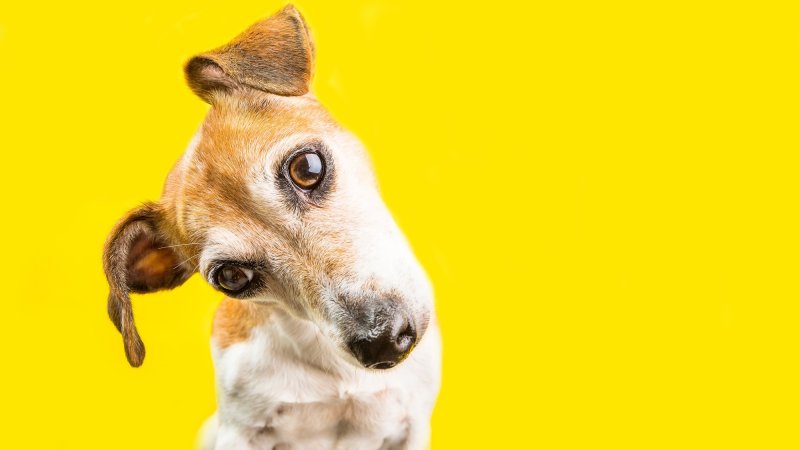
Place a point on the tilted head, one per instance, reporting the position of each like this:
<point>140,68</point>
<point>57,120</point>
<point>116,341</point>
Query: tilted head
<point>274,202</point>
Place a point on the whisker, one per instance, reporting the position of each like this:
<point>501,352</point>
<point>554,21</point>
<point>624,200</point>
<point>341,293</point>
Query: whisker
<point>179,245</point>
<point>185,261</point>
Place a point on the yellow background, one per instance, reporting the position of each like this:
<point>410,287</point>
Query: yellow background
<point>604,194</point>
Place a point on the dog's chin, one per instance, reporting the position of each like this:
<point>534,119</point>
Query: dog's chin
<point>377,367</point>
<point>343,354</point>
<point>353,361</point>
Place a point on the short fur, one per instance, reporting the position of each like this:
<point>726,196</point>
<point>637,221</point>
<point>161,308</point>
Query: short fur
<point>331,264</point>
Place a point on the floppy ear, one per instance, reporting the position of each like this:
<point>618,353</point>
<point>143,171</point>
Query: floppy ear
<point>137,258</point>
<point>275,55</point>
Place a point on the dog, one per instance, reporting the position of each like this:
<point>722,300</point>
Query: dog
<point>327,336</point>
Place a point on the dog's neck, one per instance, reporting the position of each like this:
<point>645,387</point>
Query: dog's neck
<point>304,340</point>
<point>274,330</point>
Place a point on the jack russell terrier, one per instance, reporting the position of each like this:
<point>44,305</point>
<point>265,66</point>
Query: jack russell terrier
<point>327,337</point>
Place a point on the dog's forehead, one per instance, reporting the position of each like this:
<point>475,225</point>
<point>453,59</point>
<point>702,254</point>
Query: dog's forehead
<point>243,127</point>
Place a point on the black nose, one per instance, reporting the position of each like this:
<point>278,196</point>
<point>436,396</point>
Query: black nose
<point>388,347</point>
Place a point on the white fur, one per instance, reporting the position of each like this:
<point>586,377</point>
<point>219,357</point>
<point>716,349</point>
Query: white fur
<point>287,387</point>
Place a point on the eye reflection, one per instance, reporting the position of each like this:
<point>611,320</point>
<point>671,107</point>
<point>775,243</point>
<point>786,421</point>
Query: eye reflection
<point>233,278</point>
<point>306,170</point>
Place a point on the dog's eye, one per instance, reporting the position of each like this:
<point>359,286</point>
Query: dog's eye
<point>234,278</point>
<point>306,170</point>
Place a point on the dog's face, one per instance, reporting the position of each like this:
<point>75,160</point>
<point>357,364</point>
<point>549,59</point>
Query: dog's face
<point>274,202</point>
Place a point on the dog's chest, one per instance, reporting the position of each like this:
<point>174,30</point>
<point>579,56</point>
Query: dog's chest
<point>275,405</point>
<point>367,421</point>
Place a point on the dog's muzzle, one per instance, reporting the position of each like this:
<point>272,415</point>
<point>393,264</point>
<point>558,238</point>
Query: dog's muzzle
<point>388,341</point>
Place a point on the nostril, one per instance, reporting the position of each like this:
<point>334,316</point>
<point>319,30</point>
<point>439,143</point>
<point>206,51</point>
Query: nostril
<point>405,339</point>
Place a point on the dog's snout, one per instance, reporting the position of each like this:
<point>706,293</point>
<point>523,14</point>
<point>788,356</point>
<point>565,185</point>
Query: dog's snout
<point>387,347</point>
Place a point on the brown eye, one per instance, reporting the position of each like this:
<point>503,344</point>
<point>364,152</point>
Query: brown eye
<point>306,170</point>
<point>233,278</point>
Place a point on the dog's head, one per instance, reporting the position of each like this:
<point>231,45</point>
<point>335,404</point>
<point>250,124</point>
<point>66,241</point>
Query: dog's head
<point>274,202</point>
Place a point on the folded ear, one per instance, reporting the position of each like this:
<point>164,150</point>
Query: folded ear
<point>138,257</point>
<point>275,55</point>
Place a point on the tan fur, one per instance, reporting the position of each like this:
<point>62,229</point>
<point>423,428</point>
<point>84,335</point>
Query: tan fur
<point>235,319</point>
<point>275,55</point>
<point>220,156</point>
<point>214,183</point>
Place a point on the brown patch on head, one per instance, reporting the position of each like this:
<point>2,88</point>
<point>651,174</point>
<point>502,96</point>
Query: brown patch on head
<point>236,134</point>
<point>235,319</point>
<point>242,143</point>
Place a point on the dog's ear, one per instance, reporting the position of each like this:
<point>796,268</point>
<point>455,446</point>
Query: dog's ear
<point>139,257</point>
<point>275,55</point>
